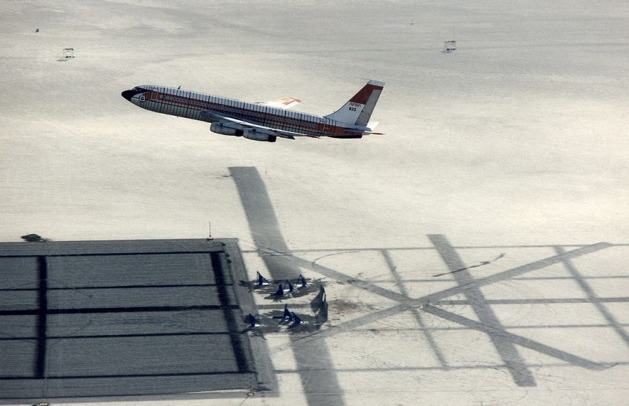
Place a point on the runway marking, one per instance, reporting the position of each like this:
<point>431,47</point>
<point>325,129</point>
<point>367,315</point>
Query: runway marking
<point>405,303</point>
<point>594,299</point>
<point>437,296</point>
<point>506,350</point>
<point>282,264</point>
<point>516,339</point>
<point>416,314</point>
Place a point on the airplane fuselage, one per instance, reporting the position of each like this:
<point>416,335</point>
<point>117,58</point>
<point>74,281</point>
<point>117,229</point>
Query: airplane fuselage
<point>255,121</point>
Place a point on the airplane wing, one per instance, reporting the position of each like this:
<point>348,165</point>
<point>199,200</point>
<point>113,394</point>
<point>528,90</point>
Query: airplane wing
<point>241,124</point>
<point>284,103</point>
<point>280,133</point>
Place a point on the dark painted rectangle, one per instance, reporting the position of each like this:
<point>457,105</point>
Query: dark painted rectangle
<point>17,359</point>
<point>132,318</point>
<point>123,386</point>
<point>18,273</point>
<point>18,301</point>
<point>14,327</point>
<point>131,298</point>
<point>131,270</point>
<point>138,356</point>
<point>137,323</point>
<point>72,248</point>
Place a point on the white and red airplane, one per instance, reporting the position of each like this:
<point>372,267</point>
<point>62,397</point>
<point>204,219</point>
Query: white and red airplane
<point>261,121</point>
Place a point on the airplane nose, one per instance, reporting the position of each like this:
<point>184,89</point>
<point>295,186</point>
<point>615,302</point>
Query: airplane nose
<point>128,94</point>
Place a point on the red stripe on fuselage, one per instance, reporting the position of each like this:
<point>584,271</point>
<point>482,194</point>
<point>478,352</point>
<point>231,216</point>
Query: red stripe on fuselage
<point>256,114</point>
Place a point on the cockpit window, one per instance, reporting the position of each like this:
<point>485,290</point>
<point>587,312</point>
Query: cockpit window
<point>140,90</point>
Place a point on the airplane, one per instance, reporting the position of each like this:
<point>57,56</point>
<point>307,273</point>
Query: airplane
<point>264,121</point>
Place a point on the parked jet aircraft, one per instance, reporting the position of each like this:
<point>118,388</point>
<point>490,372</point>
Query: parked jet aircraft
<point>261,121</point>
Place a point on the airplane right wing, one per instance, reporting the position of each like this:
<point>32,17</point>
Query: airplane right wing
<point>284,103</point>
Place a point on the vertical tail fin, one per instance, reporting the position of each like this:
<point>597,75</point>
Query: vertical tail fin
<point>358,109</point>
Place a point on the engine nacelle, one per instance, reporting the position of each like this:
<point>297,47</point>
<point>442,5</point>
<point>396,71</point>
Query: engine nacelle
<point>259,135</point>
<point>220,128</point>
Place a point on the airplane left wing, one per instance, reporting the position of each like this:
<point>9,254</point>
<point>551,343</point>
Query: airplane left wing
<point>273,131</point>
<point>246,125</point>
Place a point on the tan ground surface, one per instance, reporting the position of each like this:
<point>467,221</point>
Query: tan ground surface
<point>515,144</point>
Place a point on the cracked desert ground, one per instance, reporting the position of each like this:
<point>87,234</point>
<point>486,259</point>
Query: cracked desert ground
<point>503,169</point>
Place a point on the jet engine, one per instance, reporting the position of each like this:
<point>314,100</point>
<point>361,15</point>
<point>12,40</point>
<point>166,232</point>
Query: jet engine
<point>259,135</point>
<point>220,128</point>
